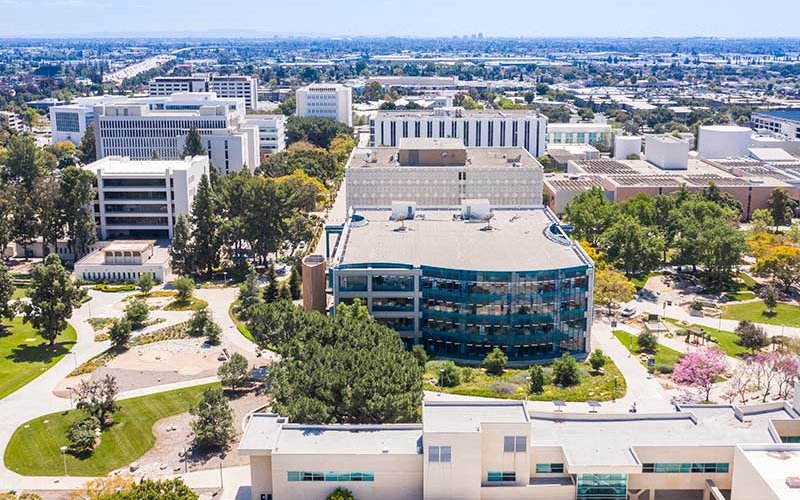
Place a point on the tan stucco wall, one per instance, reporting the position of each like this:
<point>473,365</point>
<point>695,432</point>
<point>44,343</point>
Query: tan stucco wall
<point>461,478</point>
<point>493,458</point>
<point>680,454</point>
<point>260,476</point>
<point>747,482</point>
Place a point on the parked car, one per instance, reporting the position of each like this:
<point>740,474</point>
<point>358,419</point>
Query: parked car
<point>629,311</point>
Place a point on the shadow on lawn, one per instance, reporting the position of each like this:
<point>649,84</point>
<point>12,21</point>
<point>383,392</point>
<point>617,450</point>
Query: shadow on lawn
<point>41,353</point>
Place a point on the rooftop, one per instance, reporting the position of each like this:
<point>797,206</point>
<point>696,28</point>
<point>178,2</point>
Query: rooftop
<point>456,112</point>
<point>97,257</point>
<point>129,245</point>
<point>519,240</point>
<point>383,157</point>
<point>467,416</point>
<point>775,463</point>
<point>782,114</point>
<point>123,165</point>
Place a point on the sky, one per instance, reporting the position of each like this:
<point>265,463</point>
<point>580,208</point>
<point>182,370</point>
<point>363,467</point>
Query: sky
<point>421,18</point>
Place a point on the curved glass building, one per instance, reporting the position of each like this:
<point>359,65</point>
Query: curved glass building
<point>464,281</point>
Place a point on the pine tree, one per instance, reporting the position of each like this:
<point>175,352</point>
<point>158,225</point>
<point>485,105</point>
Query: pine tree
<point>249,293</point>
<point>7,309</point>
<point>180,251</point>
<point>205,224</point>
<point>213,423</point>
<point>271,290</point>
<point>193,145</point>
<point>296,284</point>
<point>88,147</point>
<point>284,293</point>
<point>52,298</point>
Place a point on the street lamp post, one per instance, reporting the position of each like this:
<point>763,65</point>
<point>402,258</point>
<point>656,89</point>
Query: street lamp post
<point>615,388</point>
<point>441,379</point>
<point>64,456</point>
<point>221,485</point>
<point>527,389</point>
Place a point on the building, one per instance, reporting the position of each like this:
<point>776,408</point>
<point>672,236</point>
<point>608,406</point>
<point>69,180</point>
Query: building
<point>225,86</point>
<point>156,127</point>
<point>462,281</point>
<point>271,132</point>
<point>143,199</point>
<point>68,122</point>
<point>723,141</point>
<point>624,179</point>
<point>123,260</point>
<point>44,104</point>
<point>327,100</point>
<point>11,120</point>
<point>626,146</point>
<point>475,128</point>
<point>475,450</point>
<point>442,172</point>
<point>595,134</point>
<point>667,152</point>
<point>785,122</point>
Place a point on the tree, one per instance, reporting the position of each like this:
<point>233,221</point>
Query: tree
<point>199,322</point>
<point>700,369</point>
<point>781,264</point>
<point>597,359</point>
<point>295,284</point>
<point>7,307</point>
<point>631,246</point>
<point>193,146</point>
<point>52,298</point>
<point>316,130</point>
<point>24,161</point>
<point>284,293</point>
<point>761,220</point>
<point>120,333</point>
<point>98,398</point>
<point>82,436</point>
<point>449,375</point>
<point>76,194</point>
<point>421,356</point>
<point>536,374</point>
<point>770,297</point>
<point>611,288</point>
<point>495,362</point>
<point>88,147</point>
<point>7,206</point>
<point>273,323</point>
<point>234,374</point>
<point>780,206</point>
<point>751,336</point>
<point>180,250</point>
<point>213,332</point>
<point>184,288</point>
<point>648,342</point>
<point>721,251</point>
<point>137,312</point>
<point>145,283</point>
<point>271,288</point>
<point>591,213</point>
<point>341,494</point>
<point>249,293</point>
<point>149,489</point>
<point>213,422</point>
<point>361,371</point>
<point>566,372</point>
<point>205,223</point>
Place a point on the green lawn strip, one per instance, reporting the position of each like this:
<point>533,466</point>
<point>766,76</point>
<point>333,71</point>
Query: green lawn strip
<point>739,296</point>
<point>640,281</point>
<point>784,314</point>
<point>727,341</point>
<point>240,325</point>
<point>593,387</point>
<point>663,355</point>
<point>22,361</point>
<point>35,450</point>
<point>193,304</point>
<point>19,293</point>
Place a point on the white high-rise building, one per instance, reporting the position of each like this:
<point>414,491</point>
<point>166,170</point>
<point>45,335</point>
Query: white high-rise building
<point>476,128</point>
<point>68,122</point>
<point>226,86</point>
<point>143,199</point>
<point>156,127</point>
<point>271,132</point>
<point>328,100</point>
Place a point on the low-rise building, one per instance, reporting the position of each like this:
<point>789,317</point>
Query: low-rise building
<point>475,128</point>
<point>225,86</point>
<point>498,449</point>
<point>667,152</point>
<point>327,100</point>
<point>11,120</point>
<point>462,281</point>
<point>598,135</point>
<point>271,133</point>
<point>785,122</point>
<point>143,199</point>
<point>125,260</point>
<point>442,172</point>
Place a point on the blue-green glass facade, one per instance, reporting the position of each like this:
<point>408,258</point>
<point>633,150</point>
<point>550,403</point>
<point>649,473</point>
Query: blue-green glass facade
<point>602,487</point>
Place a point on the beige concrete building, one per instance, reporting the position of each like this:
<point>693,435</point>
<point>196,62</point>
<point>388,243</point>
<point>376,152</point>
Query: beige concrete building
<point>498,450</point>
<point>122,260</point>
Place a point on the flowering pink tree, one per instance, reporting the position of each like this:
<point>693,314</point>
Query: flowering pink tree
<point>774,370</point>
<point>700,369</point>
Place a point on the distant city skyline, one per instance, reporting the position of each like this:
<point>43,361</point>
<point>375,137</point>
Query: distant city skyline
<point>415,18</point>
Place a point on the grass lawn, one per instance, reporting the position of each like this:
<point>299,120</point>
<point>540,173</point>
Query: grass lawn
<point>193,304</point>
<point>640,281</point>
<point>19,293</point>
<point>784,314</point>
<point>663,355</point>
<point>35,450</point>
<point>727,341</point>
<point>240,325</point>
<point>22,361</point>
<point>738,296</point>
<point>593,386</point>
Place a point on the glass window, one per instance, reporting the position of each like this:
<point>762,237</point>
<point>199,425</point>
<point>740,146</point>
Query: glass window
<point>506,476</point>
<point>330,476</point>
<point>444,454</point>
<point>433,453</point>
<point>549,468</point>
<point>512,444</point>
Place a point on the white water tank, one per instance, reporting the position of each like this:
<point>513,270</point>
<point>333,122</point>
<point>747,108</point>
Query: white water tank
<point>723,141</point>
<point>626,145</point>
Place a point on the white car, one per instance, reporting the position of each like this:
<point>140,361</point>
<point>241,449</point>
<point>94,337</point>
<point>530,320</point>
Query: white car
<point>628,311</point>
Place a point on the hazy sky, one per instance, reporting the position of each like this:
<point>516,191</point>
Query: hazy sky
<point>532,18</point>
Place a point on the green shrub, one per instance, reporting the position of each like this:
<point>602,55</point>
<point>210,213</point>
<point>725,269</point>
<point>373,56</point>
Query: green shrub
<point>341,494</point>
<point>495,362</point>
<point>137,312</point>
<point>648,342</point>
<point>82,435</point>
<point>467,374</point>
<point>566,372</point>
<point>504,388</point>
<point>536,374</point>
<point>449,375</point>
<point>597,359</point>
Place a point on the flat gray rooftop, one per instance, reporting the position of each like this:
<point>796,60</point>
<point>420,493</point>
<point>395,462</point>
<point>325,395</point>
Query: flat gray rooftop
<point>452,416</point>
<point>384,157</point>
<point>350,439</point>
<point>516,242</point>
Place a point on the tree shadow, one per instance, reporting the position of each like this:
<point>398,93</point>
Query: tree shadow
<point>769,314</point>
<point>41,353</point>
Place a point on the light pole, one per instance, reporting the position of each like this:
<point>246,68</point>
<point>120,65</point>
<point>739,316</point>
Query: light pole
<point>221,486</point>
<point>441,380</point>
<point>527,389</point>
<point>64,455</point>
<point>75,359</point>
<point>615,388</point>
<point>224,278</point>
<point>70,396</point>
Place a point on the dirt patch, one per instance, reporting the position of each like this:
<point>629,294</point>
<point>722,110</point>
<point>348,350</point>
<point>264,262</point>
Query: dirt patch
<point>174,442</point>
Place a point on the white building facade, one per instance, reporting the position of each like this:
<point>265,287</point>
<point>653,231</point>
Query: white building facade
<point>143,199</point>
<point>271,132</point>
<point>327,100</point>
<point>11,120</point>
<point>226,86</point>
<point>475,128</point>
<point>156,127</point>
<point>594,134</point>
